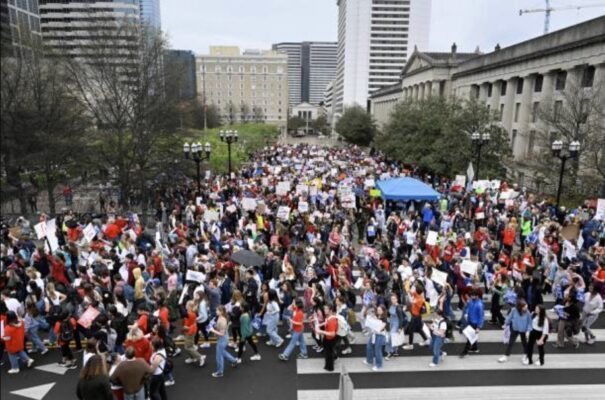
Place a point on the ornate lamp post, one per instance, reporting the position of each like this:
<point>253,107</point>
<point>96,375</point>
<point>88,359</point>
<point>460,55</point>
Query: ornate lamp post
<point>197,153</point>
<point>229,137</point>
<point>557,151</point>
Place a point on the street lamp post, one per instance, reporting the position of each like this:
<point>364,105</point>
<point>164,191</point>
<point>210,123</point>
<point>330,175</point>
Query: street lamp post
<point>479,140</point>
<point>557,151</point>
<point>197,153</point>
<point>229,137</point>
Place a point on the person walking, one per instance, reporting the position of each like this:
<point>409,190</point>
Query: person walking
<point>246,334</point>
<point>329,336</point>
<point>65,329</point>
<point>519,322</point>
<point>438,330</point>
<point>270,320</point>
<point>397,321</point>
<point>377,340</point>
<point>297,323</point>
<point>94,382</point>
<point>417,301</point>
<point>569,321</point>
<point>220,330</point>
<point>161,367</point>
<point>14,341</point>
<point>538,335</point>
<point>473,312</point>
<point>189,331</point>
<point>593,306</point>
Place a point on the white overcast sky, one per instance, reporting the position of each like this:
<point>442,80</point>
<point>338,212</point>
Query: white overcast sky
<point>196,24</point>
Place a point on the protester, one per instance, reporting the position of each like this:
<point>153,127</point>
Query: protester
<point>131,375</point>
<point>438,331</point>
<point>14,340</point>
<point>94,382</point>
<point>538,334</point>
<point>220,330</point>
<point>519,323</point>
<point>297,322</point>
<point>473,313</point>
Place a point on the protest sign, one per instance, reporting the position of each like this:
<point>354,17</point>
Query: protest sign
<point>469,267</point>
<point>369,183</point>
<point>302,189</point>
<point>210,215</point>
<point>89,232</point>
<point>40,229</point>
<point>249,204</point>
<point>283,212</point>
<point>375,193</point>
<point>431,238</point>
<point>348,201</point>
<point>51,235</point>
<point>460,181</point>
<point>195,276</point>
<point>570,232</point>
<point>282,188</point>
<point>600,214</point>
<point>303,206</point>
<point>439,277</point>
<point>88,317</point>
<point>199,201</point>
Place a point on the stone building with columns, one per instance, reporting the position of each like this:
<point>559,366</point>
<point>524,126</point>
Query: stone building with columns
<point>514,81</point>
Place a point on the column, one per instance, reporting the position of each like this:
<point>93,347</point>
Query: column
<point>509,103</point>
<point>421,95</point>
<point>435,88</point>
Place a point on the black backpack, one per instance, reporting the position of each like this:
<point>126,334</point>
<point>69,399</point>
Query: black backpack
<point>66,331</point>
<point>168,365</point>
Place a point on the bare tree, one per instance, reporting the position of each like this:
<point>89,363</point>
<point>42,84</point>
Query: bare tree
<point>575,114</point>
<point>258,114</point>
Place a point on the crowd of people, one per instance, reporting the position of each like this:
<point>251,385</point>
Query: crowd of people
<point>334,256</point>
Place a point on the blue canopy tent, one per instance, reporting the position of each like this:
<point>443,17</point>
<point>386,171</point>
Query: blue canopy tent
<point>403,189</point>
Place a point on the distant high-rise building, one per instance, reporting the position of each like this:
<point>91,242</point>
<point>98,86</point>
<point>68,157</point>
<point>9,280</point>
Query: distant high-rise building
<point>252,86</point>
<point>75,27</point>
<point>311,66</point>
<point>375,38</point>
<point>150,13</point>
<point>184,61</point>
<point>19,26</point>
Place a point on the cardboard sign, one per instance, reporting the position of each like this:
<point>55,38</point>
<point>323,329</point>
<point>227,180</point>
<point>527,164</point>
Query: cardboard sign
<point>195,276</point>
<point>431,238</point>
<point>283,213</point>
<point>282,188</point>
<point>570,232</point>
<point>600,214</point>
<point>439,277</point>
<point>303,206</point>
<point>88,317</point>
<point>210,215</point>
<point>89,232</point>
<point>469,267</point>
<point>249,204</point>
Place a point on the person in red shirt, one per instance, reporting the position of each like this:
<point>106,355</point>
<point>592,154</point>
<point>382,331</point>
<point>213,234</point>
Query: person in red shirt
<point>14,339</point>
<point>57,264</point>
<point>508,237</point>
<point>329,333</point>
<point>297,322</point>
<point>140,344</point>
<point>65,329</point>
<point>189,330</point>
<point>143,320</point>
<point>417,300</point>
<point>163,313</point>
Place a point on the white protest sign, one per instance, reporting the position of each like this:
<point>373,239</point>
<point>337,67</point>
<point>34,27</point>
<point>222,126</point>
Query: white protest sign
<point>195,276</point>
<point>231,209</point>
<point>199,201</point>
<point>40,230</point>
<point>469,267</point>
<point>471,334</point>
<point>249,204</point>
<point>348,201</point>
<point>303,206</point>
<point>431,238</point>
<point>210,215</point>
<point>313,191</point>
<point>600,214</point>
<point>470,172</point>
<point>359,283</point>
<point>439,277</point>
<point>460,181</point>
<point>283,212</point>
<point>482,184</point>
<point>302,189</point>
<point>89,232</point>
<point>51,235</point>
<point>369,183</point>
<point>495,184</point>
<point>282,188</point>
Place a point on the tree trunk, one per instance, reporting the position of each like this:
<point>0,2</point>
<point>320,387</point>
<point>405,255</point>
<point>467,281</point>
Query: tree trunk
<point>13,177</point>
<point>50,189</point>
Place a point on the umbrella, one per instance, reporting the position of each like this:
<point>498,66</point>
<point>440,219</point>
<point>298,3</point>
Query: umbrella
<point>248,258</point>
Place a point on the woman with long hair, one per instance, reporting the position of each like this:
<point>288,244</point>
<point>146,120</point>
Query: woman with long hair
<point>94,382</point>
<point>539,334</point>
<point>203,318</point>
<point>519,322</point>
<point>235,312</point>
<point>14,339</point>
<point>220,329</point>
<point>271,319</point>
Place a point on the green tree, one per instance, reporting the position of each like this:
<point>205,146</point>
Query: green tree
<point>356,126</point>
<point>320,124</point>
<point>294,123</point>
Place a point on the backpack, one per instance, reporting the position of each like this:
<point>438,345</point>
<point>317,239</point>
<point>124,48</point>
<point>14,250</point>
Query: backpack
<point>343,327</point>
<point>66,332</point>
<point>54,314</point>
<point>168,365</point>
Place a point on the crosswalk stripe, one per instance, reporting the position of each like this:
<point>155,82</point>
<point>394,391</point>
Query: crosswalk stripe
<point>474,362</point>
<point>518,392</point>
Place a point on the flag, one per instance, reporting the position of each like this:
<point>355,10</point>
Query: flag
<point>470,172</point>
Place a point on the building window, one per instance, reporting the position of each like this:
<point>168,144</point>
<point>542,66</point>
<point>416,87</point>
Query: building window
<point>557,110</point>
<point>513,139</point>
<point>501,112</point>
<point>531,143</point>
<point>519,85</point>
<point>217,69</point>
<point>538,83</point>
<point>588,76</point>
<point>560,81</point>
<point>441,88</point>
<point>241,69</point>
<point>517,108</point>
<point>534,111</point>
<point>475,92</point>
<point>503,88</point>
<point>490,86</point>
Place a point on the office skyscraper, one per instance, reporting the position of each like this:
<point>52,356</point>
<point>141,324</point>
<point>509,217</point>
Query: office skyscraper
<point>311,66</point>
<point>20,25</point>
<point>150,13</point>
<point>375,38</point>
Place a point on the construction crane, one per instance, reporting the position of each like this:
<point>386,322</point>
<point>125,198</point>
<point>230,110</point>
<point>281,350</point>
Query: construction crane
<point>548,9</point>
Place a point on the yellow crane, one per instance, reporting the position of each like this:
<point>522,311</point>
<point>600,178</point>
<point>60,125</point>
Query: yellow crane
<point>548,9</point>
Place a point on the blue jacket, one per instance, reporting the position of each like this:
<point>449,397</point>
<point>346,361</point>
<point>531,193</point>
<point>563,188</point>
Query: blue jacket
<point>474,312</point>
<point>519,322</point>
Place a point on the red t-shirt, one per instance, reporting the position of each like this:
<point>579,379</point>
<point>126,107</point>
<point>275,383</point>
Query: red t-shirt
<point>189,322</point>
<point>142,348</point>
<point>143,322</point>
<point>298,317</point>
<point>417,303</point>
<point>331,327</point>
<point>17,337</point>
<point>163,317</point>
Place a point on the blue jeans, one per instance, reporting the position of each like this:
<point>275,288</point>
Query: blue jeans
<point>390,348</point>
<point>436,344</point>
<point>297,338</point>
<point>274,338</point>
<point>374,350</point>
<point>32,334</point>
<point>222,353</point>
<point>14,359</point>
<point>140,395</point>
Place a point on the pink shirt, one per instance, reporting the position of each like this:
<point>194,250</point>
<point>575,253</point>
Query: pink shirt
<point>171,282</point>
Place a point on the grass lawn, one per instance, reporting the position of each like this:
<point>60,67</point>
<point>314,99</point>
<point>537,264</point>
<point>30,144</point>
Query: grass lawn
<point>251,138</point>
